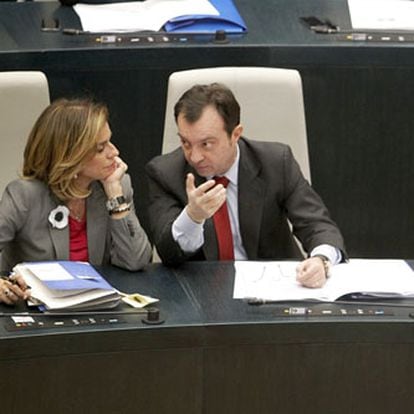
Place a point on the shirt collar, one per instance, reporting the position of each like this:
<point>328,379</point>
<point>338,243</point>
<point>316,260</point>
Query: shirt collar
<point>232,173</point>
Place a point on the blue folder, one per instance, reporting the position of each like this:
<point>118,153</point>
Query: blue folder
<point>85,277</point>
<point>229,20</point>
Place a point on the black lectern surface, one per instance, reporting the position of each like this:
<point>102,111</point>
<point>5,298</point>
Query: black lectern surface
<point>357,100</point>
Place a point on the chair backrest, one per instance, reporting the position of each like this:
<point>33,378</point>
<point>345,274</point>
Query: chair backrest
<point>23,96</point>
<point>271,102</point>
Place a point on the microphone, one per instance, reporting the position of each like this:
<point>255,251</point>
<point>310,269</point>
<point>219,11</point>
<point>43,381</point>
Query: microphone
<point>259,301</point>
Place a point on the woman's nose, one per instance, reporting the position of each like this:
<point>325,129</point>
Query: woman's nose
<point>113,150</point>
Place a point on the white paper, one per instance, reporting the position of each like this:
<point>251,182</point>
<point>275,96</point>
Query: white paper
<point>49,271</point>
<point>382,14</point>
<point>136,16</point>
<point>277,280</point>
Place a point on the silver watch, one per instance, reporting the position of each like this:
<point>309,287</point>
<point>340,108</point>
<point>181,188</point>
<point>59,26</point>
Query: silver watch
<point>115,202</point>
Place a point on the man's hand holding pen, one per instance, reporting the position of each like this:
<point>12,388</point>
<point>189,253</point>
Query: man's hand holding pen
<point>13,289</point>
<point>311,273</point>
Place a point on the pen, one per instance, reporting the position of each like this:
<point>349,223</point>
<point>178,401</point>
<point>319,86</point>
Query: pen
<point>258,301</point>
<point>74,31</point>
<point>287,311</point>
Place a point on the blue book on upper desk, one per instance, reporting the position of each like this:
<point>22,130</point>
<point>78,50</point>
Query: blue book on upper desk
<point>228,20</point>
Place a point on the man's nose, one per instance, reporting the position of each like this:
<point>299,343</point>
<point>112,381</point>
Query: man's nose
<point>196,155</point>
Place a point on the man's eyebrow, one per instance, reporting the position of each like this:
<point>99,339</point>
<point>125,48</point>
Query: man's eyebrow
<point>182,137</point>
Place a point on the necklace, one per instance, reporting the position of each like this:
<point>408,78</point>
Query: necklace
<point>77,209</point>
<point>77,217</point>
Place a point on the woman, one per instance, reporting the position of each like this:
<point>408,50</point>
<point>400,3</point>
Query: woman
<point>74,200</point>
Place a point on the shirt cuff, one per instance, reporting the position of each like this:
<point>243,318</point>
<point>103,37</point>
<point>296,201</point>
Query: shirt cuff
<point>187,233</point>
<point>333,254</point>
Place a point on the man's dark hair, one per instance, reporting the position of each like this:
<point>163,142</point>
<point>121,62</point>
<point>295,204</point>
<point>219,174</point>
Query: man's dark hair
<point>192,103</point>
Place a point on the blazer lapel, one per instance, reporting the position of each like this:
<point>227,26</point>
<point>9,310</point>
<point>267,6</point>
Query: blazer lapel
<point>96,221</point>
<point>251,196</point>
<point>59,237</point>
<point>60,241</point>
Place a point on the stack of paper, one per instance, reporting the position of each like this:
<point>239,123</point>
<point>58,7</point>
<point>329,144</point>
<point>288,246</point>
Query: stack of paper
<point>382,14</point>
<point>67,285</point>
<point>276,281</point>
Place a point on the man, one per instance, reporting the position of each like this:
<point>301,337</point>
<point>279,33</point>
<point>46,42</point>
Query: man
<point>266,189</point>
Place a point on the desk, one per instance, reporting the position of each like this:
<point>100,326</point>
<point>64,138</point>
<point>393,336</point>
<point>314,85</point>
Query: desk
<point>108,369</point>
<point>358,99</point>
<point>213,354</point>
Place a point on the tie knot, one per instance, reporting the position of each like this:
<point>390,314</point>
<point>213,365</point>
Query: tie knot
<point>224,181</point>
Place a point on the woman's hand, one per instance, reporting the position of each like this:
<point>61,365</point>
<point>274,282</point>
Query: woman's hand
<point>112,183</point>
<point>13,289</point>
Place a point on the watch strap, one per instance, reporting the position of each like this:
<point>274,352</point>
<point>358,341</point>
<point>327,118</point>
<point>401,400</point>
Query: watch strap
<point>326,264</point>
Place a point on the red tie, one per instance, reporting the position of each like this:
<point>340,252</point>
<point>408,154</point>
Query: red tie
<point>222,227</point>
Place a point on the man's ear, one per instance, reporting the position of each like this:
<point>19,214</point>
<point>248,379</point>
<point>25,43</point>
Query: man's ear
<point>237,132</point>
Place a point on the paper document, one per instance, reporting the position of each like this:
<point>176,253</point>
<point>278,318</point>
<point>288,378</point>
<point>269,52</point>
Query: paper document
<point>277,280</point>
<point>141,15</point>
<point>49,271</point>
<point>67,285</point>
<point>381,14</point>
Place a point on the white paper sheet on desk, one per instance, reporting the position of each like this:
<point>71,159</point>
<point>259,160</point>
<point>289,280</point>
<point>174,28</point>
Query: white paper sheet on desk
<point>136,16</point>
<point>382,14</point>
<point>47,271</point>
<point>277,280</point>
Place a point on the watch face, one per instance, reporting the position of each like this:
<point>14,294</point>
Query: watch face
<point>115,202</point>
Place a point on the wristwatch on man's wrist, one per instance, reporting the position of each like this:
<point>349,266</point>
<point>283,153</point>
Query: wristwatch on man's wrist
<point>115,202</point>
<point>326,264</point>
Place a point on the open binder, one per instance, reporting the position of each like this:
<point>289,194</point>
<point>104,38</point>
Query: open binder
<point>228,20</point>
<point>58,285</point>
<point>189,16</point>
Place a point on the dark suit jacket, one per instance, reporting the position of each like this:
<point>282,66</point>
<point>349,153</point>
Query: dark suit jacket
<point>27,235</point>
<point>271,190</point>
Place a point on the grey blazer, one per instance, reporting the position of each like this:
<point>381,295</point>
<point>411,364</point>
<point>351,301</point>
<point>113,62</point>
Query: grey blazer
<point>271,190</point>
<point>27,235</point>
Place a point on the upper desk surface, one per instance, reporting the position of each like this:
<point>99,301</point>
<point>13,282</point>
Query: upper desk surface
<point>273,27</point>
<point>196,302</point>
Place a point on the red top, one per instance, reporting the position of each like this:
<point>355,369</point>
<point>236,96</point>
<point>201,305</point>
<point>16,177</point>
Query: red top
<point>78,240</point>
